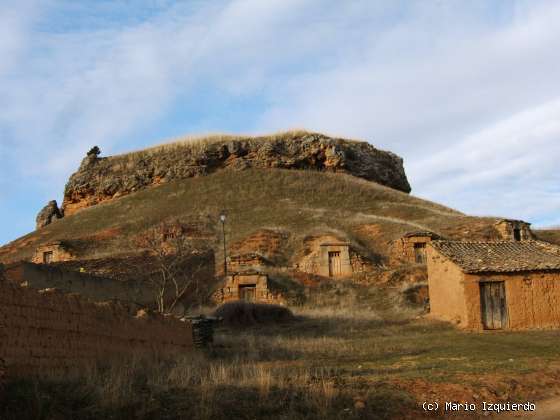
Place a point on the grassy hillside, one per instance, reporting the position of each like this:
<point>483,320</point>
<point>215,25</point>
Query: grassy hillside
<point>299,202</point>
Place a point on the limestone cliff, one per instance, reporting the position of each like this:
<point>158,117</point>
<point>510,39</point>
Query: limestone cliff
<point>100,179</point>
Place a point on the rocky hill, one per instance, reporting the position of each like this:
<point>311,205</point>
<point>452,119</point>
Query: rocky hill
<point>100,179</point>
<point>282,195</point>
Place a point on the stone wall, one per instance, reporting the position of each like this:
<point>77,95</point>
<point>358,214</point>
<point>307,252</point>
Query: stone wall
<point>404,250</point>
<point>507,227</point>
<point>234,283</point>
<point>58,252</point>
<point>44,332</point>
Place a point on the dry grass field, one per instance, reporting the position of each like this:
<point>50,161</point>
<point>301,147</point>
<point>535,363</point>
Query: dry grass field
<point>299,202</point>
<point>331,362</point>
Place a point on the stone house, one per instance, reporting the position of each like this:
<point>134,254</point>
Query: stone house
<point>411,248</point>
<point>327,256</point>
<point>52,252</point>
<point>514,230</point>
<point>495,285</point>
<point>248,286</point>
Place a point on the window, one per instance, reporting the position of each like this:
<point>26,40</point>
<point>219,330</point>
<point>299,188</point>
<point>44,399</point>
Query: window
<point>167,236</point>
<point>47,257</point>
<point>420,252</point>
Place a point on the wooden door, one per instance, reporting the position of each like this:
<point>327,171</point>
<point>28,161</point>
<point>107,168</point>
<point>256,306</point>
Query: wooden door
<point>493,305</point>
<point>420,252</point>
<point>335,268</point>
<point>247,292</point>
<point>47,257</point>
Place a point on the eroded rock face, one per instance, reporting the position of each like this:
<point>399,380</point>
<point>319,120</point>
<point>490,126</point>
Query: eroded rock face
<point>48,214</point>
<point>101,179</point>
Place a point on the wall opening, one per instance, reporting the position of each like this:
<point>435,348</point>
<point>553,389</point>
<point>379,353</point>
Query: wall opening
<point>335,266</point>
<point>420,252</point>
<point>516,234</point>
<point>47,257</point>
<point>248,292</point>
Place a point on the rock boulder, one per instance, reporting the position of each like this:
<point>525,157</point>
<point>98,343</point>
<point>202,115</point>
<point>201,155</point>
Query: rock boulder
<point>48,214</point>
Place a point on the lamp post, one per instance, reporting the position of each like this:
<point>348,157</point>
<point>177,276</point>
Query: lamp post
<point>223,220</point>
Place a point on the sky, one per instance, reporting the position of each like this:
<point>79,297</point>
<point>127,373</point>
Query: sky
<point>467,93</point>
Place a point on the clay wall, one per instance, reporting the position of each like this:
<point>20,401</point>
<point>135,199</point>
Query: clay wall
<point>41,276</point>
<point>48,332</point>
<point>533,299</point>
<point>446,289</point>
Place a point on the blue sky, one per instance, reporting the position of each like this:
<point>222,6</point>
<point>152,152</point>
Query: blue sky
<point>467,92</point>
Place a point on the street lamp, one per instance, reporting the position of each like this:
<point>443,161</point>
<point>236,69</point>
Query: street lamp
<point>223,220</point>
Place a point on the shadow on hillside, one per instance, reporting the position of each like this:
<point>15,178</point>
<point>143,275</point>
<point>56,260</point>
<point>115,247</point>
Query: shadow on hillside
<point>52,400</point>
<point>333,326</point>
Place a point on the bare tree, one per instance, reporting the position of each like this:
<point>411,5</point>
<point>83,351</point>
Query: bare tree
<point>173,266</point>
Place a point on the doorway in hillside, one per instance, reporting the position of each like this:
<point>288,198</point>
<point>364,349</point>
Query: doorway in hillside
<point>47,257</point>
<point>335,267</point>
<point>420,252</point>
<point>493,305</point>
<point>248,292</point>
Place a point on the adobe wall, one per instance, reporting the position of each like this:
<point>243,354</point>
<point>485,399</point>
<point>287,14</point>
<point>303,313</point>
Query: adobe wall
<point>533,299</point>
<point>51,332</point>
<point>446,290</point>
<point>41,276</point>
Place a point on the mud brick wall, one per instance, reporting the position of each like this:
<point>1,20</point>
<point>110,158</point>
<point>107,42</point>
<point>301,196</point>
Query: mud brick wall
<point>42,332</point>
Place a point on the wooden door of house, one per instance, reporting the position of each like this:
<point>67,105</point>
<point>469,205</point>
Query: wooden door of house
<point>335,267</point>
<point>247,292</point>
<point>493,305</point>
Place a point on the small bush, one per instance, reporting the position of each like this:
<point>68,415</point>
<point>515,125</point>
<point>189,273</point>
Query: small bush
<point>240,313</point>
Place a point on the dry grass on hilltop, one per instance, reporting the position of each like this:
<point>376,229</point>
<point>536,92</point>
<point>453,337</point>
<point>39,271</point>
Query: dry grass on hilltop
<point>199,143</point>
<point>300,202</point>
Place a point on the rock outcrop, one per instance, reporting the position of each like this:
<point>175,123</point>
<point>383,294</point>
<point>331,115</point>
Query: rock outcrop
<point>48,214</point>
<point>100,179</point>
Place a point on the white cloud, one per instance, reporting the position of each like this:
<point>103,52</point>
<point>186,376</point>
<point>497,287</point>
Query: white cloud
<point>509,168</point>
<point>425,79</point>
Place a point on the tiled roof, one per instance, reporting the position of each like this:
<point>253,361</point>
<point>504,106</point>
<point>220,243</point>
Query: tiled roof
<point>502,257</point>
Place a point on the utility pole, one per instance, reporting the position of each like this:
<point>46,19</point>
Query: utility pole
<point>223,220</point>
